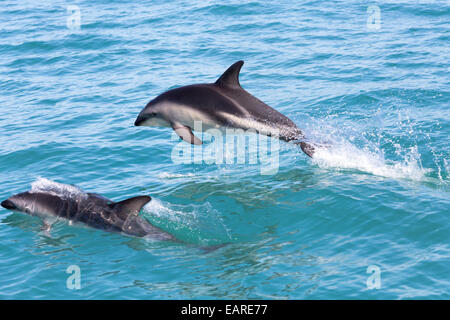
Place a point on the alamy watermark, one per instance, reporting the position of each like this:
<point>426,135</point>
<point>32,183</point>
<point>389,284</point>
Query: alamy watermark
<point>73,282</point>
<point>73,21</point>
<point>408,1</point>
<point>374,280</point>
<point>231,146</point>
<point>374,18</point>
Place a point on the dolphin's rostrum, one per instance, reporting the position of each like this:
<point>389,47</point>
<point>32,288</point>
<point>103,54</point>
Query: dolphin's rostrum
<point>51,201</point>
<point>219,105</point>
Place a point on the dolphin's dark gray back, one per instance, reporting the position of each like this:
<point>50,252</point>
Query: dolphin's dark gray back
<point>228,85</point>
<point>102,213</point>
<point>226,96</point>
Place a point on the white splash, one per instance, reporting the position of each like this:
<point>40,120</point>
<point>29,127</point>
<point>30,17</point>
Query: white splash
<point>157,208</point>
<point>168,175</point>
<point>447,167</point>
<point>347,156</point>
<point>56,188</point>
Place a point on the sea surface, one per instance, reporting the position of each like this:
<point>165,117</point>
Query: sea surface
<point>367,218</point>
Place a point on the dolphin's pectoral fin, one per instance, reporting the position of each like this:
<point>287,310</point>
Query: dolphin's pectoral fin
<point>186,134</point>
<point>46,226</point>
<point>130,206</point>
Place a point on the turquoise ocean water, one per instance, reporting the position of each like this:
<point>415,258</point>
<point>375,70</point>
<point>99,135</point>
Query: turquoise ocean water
<point>371,78</point>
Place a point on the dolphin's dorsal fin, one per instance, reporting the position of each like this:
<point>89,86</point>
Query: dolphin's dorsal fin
<point>230,78</point>
<point>131,205</point>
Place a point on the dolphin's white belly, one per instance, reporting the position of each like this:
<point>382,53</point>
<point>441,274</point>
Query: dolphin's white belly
<point>247,123</point>
<point>190,117</point>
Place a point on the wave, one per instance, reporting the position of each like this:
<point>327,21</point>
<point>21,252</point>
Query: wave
<point>194,223</point>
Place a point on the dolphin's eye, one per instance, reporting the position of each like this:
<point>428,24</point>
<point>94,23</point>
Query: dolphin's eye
<point>153,114</point>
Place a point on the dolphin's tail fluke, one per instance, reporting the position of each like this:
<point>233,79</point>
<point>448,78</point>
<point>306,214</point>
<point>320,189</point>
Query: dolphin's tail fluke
<point>307,148</point>
<point>310,147</point>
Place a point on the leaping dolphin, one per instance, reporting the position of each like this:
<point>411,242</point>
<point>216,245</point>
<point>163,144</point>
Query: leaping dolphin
<point>219,105</point>
<point>56,200</point>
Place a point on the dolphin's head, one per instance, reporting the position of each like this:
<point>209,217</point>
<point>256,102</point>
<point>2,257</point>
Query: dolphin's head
<point>153,115</point>
<point>21,202</point>
<point>35,204</point>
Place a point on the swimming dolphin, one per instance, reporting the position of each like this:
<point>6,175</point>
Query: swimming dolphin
<point>219,105</point>
<point>57,200</point>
